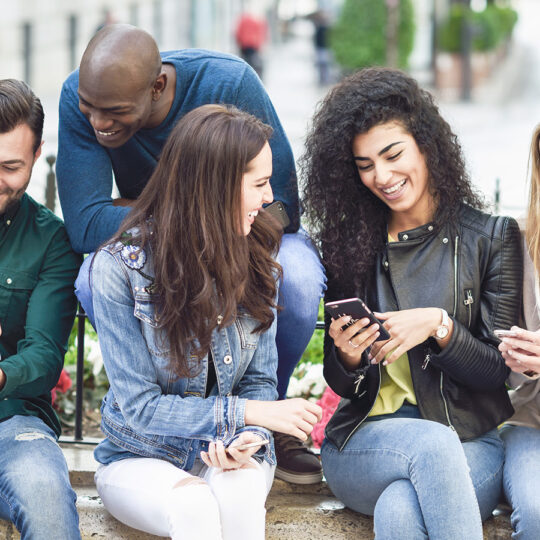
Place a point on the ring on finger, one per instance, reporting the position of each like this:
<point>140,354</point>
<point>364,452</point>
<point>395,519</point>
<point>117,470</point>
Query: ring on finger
<point>353,345</point>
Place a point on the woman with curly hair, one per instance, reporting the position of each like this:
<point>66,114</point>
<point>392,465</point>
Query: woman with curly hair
<point>414,440</point>
<point>184,299</point>
<point>521,350</point>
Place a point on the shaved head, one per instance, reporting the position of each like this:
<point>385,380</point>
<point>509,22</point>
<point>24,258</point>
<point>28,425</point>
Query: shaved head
<point>123,85</point>
<point>129,52</point>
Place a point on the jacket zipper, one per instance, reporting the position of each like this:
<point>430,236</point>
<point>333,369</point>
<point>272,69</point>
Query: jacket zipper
<point>453,314</point>
<point>362,421</point>
<point>468,301</point>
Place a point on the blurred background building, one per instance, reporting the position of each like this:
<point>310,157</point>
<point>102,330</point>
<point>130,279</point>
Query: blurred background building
<point>479,57</point>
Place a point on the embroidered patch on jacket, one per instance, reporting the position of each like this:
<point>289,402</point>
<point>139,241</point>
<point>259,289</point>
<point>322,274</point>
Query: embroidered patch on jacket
<point>133,256</point>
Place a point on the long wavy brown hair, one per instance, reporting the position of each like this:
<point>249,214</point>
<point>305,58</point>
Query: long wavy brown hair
<point>532,230</point>
<point>189,215</point>
<point>347,221</point>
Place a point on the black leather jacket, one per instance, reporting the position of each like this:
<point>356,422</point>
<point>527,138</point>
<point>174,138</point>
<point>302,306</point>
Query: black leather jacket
<point>473,269</point>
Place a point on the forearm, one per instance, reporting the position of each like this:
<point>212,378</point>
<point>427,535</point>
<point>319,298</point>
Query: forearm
<point>84,175</point>
<point>471,361</point>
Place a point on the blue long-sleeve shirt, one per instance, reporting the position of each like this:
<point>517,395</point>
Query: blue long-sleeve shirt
<point>85,169</point>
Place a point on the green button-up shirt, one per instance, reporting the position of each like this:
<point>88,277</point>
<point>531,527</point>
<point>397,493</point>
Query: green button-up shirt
<point>37,308</point>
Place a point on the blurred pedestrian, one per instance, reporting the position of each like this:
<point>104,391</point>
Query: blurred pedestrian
<point>250,36</point>
<point>323,56</point>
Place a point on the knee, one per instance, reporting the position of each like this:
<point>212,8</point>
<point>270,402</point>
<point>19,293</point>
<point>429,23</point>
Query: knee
<point>438,444</point>
<point>240,490</point>
<point>193,506</point>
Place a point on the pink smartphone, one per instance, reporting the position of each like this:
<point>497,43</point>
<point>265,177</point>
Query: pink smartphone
<point>356,309</point>
<point>249,445</point>
<point>504,333</point>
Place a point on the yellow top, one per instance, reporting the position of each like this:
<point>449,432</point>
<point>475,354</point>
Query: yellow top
<point>396,385</point>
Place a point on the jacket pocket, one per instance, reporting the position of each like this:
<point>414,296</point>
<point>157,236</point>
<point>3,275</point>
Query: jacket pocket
<point>145,311</point>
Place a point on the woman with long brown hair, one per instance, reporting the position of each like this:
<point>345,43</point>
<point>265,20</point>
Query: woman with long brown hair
<point>521,351</point>
<point>184,298</point>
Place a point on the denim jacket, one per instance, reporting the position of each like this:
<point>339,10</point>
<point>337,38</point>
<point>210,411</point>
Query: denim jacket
<point>148,411</point>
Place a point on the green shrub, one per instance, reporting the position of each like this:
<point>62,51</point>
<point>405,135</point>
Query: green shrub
<point>490,27</point>
<point>358,38</point>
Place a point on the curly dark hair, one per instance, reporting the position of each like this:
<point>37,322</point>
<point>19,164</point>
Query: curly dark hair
<point>348,222</point>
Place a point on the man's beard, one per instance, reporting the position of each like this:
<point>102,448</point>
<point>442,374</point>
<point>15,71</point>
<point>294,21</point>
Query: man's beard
<point>13,200</point>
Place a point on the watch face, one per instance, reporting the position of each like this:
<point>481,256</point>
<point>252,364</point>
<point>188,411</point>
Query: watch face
<point>442,332</point>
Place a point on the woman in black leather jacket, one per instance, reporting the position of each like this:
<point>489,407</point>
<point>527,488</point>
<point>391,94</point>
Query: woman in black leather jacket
<point>414,440</point>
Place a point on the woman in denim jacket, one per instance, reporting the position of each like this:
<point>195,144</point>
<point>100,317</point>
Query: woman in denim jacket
<point>184,298</point>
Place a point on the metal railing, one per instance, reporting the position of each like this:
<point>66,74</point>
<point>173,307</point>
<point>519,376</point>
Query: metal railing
<point>50,197</point>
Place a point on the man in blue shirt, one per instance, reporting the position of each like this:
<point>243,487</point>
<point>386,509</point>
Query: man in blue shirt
<point>116,113</point>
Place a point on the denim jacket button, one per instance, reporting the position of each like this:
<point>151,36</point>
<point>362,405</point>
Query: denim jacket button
<point>228,359</point>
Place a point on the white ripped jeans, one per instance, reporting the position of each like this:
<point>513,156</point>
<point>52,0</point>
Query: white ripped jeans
<point>154,496</point>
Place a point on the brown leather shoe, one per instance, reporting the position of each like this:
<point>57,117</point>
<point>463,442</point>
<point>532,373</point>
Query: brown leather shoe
<point>295,462</point>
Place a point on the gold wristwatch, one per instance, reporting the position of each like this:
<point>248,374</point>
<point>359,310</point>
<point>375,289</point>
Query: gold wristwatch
<point>444,327</point>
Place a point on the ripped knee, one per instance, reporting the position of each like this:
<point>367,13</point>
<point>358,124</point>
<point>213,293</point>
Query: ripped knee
<point>33,436</point>
<point>191,481</point>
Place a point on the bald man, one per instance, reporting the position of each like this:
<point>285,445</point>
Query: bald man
<point>116,112</point>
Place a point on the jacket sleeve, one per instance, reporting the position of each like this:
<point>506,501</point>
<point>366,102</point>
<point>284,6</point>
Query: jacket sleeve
<point>252,97</point>
<point>474,360</point>
<point>344,383</point>
<point>85,177</point>
<point>133,375</point>
<point>36,366</point>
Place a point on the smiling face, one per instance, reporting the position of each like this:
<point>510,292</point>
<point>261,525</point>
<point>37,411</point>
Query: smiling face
<point>392,167</point>
<point>116,106</point>
<point>17,158</point>
<point>256,189</point>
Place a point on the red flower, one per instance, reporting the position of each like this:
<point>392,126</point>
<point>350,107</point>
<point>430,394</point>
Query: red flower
<point>63,385</point>
<point>329,402</point>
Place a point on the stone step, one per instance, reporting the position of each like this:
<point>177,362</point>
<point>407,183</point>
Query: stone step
<point>293,512</point>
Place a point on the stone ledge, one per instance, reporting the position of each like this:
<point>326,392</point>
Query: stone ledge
<point>294,512</point>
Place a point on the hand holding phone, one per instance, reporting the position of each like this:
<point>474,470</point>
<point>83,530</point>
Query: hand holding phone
<point>356,309</point>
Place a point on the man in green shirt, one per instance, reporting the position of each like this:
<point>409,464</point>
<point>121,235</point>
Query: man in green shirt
<point>37,309</point>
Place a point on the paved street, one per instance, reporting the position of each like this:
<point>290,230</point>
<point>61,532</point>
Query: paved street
<point>494,129</point>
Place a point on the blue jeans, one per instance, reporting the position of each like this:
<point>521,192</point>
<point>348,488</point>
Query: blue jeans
<point>414,476</point>
<point>300,291</point>
<point>521,479</point>
<point>35,493</point>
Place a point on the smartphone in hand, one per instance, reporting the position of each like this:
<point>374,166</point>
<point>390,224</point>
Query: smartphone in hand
<point>504,333</point>
<point>356,309</point>
<point>245,446</point>
<point>278,212</point>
